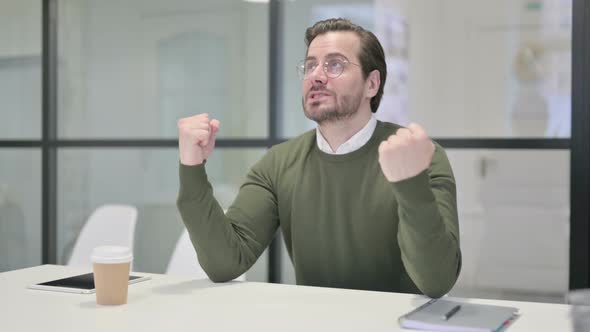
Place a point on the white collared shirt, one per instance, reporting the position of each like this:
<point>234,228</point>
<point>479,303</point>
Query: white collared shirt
<point>352,144</point>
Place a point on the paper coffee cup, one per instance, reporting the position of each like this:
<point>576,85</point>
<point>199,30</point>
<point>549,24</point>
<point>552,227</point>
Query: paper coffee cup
<point>111,266</point>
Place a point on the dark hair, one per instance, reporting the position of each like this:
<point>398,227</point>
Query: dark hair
<point>371,54</point>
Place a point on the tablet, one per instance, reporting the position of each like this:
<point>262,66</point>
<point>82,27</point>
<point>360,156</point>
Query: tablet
<point>81,284</point>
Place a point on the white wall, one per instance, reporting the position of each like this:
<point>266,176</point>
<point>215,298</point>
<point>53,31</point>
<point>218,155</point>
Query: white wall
<point>462,58</point>
<point>462,82</point>
<point>20,111</point>
<point>21,28</point>
<point>113,49</point>
<point>20,69</point>
<point>130,70</point>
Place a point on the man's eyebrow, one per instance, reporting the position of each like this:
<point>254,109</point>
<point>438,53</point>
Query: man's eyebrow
<point>328,56</point>
<point>336,55</point>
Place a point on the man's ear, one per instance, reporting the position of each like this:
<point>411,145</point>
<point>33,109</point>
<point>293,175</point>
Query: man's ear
<point>372,84</point>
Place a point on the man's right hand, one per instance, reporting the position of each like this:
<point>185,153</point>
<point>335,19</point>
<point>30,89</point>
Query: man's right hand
<point>196,138</point>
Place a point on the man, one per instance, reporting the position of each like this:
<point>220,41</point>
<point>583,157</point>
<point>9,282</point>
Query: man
<point>361,203</point>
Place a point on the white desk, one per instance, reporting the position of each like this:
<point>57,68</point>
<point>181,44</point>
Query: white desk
<point>169,304</point>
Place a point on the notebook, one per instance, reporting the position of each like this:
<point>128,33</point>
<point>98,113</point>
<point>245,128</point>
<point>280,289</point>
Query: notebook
<point>446,315</point>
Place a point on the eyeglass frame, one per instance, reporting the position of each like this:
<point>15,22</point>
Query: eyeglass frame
<point>303,76</point>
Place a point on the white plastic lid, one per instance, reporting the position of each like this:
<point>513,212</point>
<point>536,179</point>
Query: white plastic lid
<point>111,255</point>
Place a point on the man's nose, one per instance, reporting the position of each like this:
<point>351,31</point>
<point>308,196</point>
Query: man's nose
<point>318,76</point>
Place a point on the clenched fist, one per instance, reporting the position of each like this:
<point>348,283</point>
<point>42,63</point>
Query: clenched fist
<point>405,154</point>
<point>196,138</point>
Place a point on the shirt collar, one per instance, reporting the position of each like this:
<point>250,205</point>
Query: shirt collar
<point>352,144</point>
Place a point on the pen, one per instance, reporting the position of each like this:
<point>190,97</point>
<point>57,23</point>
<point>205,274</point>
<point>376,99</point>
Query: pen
<point>451,312</point>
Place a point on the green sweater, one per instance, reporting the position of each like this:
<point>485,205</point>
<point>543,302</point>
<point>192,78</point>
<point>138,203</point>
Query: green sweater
<point>343,223</point>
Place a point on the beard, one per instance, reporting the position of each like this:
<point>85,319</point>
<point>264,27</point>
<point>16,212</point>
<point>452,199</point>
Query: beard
<point>345,108</point>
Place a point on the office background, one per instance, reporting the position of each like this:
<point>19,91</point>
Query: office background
<point>91,91</point>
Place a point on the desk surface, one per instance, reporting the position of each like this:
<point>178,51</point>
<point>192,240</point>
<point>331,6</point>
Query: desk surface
<point>168,303</point>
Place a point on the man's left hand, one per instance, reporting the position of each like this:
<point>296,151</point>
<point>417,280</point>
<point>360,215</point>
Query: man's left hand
<point>406,153</point>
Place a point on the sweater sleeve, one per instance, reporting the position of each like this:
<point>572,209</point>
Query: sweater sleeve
<point>228,244</point>
<point>428,233</point>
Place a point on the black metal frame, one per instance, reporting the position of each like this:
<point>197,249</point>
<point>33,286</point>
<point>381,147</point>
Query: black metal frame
<point>49,132</point>
<point>579,144</point>
<point>275,20</point>
<point>449,143</point>
<point>580,149</point>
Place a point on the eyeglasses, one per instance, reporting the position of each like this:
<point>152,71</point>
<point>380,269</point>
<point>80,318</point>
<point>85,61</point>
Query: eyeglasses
<point>333,67</point>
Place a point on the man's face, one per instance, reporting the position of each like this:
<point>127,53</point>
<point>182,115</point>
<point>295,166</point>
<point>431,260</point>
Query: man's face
<point>331,99</point>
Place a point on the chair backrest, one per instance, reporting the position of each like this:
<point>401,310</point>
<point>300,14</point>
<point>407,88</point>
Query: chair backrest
<point>184,261</point>
<point>108,225</point>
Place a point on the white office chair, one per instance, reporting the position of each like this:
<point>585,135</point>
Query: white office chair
<point>108,225</point>
<point>184,261</point>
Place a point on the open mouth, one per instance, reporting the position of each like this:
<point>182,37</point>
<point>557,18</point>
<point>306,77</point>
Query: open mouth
<point>317,96</point>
